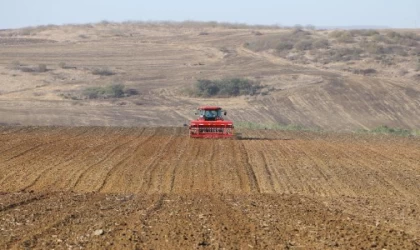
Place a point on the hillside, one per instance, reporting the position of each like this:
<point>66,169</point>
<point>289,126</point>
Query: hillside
<point>134,74</point>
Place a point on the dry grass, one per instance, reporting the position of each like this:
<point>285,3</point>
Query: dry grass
<point>317,81</point>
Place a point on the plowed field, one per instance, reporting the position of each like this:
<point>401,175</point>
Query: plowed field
<point>155,188</point>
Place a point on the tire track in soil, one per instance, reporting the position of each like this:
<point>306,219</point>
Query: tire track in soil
<point>96,175</point>
<point>228,227</point>
<point>220,172</point>
<point>163,172</point>
<point>22,169</point>
<point>123,165</point>
<point>98,145</point>
<point>71,148</point>
<point>210,201</point>
<point>360,172</point>
<point>240,169</point>
<point>26,201</point>
<point>345,170</point>
<point>259,161</point>
<point>184,181</point>
<point>212,163</point>
<point>282,164</point>
<point>53,178</point>
<point>377,169</point>
<point>168,227</point>
<point>32,147</point>
<point>380,171</point>
<point>11,144</point>
<point>173,173</point>
<point>151,168</point>
<point>202,167</point>
<point>11,137</point>
<point>320,165</point>
<point>108,155</point>
<point>307,170</point>
<point>394,157</point>
<point>125,173</point>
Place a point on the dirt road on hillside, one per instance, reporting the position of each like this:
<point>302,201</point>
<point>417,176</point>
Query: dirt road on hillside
<point>96,187</point>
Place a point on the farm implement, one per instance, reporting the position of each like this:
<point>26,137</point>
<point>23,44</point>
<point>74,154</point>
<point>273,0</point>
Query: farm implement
<point>210,124</point>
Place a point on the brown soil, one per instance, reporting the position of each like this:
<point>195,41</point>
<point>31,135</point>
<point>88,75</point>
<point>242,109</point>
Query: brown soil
<point>155,188</point>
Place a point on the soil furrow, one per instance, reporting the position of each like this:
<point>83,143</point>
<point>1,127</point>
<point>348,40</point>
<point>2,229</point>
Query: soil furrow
<point>141,188</point>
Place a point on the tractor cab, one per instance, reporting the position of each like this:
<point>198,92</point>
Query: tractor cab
<point>211,113</point>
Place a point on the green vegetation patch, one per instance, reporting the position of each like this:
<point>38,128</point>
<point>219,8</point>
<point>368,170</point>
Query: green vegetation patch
<point>102,92</point>
<point>385,130</point>
<point>273,126</point>
<point>226,88</point>
<point>103,72</point>
<point>111,91</point>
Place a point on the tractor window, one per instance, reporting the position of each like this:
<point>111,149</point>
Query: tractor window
<point>210,114</point>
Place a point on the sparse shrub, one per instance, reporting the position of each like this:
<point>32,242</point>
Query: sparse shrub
<point>369,71</point>
<point>15,65</point>
<point>38,94</point>
<point>226,87</point>
<point>343,54</point>
<point>130,92</point>
<point>286,45</point>
<point>115,90</point>
<point>345,38</point>
<point>374,48</point>
<point>298,33</point>
<point>62,65</point>
<point>42,68</point>
<point>103,72</point>
<point>364,32</point>
<point>303,45</point>
<point>402,72</point>
<point>105,22</point>
<point>395,50</point>
<point>320,44</point>
<point>310,27</point>
<point>393,34</point>
<point>297,28</point>
<point>416,51</point>
<point>385,60</point>
<point>407,39</point>
<point>392,131</point>
<point>25,32</point>
<point>342,36</point>
<point>111,91</point>
<point>407,42</point>
<point>412,36</point>
<point>379,38</point>
<point>203,33</point>
<point>417,68</point>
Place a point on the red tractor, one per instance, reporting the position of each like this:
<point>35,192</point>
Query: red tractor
<point>211,124</point>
